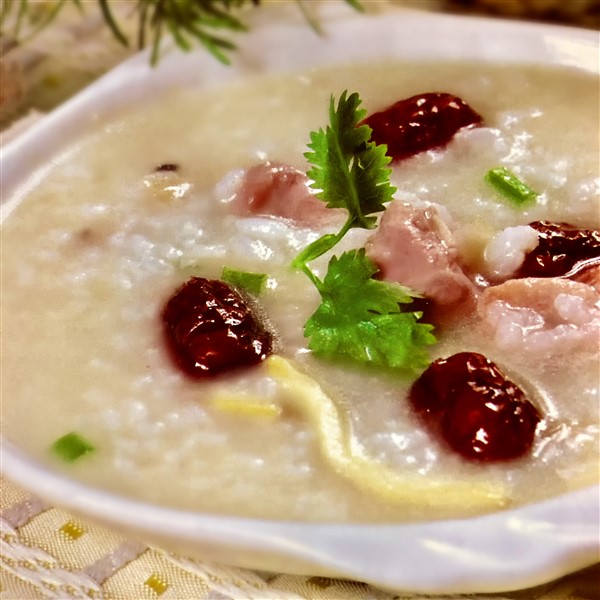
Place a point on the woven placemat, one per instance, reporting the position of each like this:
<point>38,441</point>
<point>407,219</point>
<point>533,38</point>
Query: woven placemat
<point>45,552</point>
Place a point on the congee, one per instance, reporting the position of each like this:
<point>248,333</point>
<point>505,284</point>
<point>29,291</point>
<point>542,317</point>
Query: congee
<point>438,360</point>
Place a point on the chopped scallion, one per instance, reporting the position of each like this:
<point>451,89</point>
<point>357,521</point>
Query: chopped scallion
<point>252,282</point>
<point>71,446</point>
<point>510,186</point>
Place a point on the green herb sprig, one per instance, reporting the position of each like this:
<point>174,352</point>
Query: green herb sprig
<point>190,22</point>
<point>348,172</point>
<point>359,317</point>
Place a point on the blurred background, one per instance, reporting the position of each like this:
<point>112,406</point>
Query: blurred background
<point>58,52</point>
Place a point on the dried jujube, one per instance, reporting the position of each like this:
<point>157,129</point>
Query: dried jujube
<point>475,409</point>
<point>560,248</point>
<point>210,329</point>
<point>420,123</point>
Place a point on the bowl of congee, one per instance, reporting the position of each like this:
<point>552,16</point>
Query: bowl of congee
<point>332,309</point>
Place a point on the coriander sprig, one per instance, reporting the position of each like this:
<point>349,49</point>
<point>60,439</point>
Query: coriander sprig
<point>359,317</point>
<point>190,22</point>
<point>348,171</point>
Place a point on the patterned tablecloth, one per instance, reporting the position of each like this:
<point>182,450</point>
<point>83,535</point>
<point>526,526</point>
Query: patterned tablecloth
<point>46,552</point>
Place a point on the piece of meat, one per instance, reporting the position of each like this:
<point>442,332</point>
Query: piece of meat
<point>278,190</point>
<point>587,272</point>
<point>542,315</point>
<point>413,246</point>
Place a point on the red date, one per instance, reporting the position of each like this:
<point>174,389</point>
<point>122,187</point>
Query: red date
<point>420,123</point>
<point>561,247</point>
<point>210,329</point>
<point>475,409</point>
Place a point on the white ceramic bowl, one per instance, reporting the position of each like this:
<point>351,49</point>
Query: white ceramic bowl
<point>498,552</point>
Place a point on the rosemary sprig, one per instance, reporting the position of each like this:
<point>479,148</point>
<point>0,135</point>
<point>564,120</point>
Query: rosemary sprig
<point>209,23</point>
<point>110,21</point>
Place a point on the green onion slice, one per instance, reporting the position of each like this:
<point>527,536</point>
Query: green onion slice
<point>252,282</point>
<point>71,446</point>
<point>510,186</point>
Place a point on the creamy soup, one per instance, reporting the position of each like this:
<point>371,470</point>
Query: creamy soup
<point>98,244</point>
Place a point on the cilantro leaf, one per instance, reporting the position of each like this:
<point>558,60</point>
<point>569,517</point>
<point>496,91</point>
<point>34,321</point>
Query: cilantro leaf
<point>348,170</point>
<point>360,317</point>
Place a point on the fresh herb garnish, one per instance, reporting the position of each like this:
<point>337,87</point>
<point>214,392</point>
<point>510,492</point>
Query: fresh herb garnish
<point>71,446</point>
<point>252,282</point>
<point>359,317</point>
<point>348,171</point>
<point>188,21</point>
<point>510,186</point>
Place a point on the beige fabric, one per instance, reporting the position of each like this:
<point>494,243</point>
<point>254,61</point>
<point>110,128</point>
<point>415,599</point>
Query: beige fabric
<point>47,553</point>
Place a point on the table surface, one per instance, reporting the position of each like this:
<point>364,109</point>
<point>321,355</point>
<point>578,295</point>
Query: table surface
<point>46,552</point>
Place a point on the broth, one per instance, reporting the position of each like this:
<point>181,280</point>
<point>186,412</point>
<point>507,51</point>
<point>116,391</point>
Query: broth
<point>96,247</point>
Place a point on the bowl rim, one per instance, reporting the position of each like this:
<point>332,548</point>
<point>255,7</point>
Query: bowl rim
<point>546,539</point>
